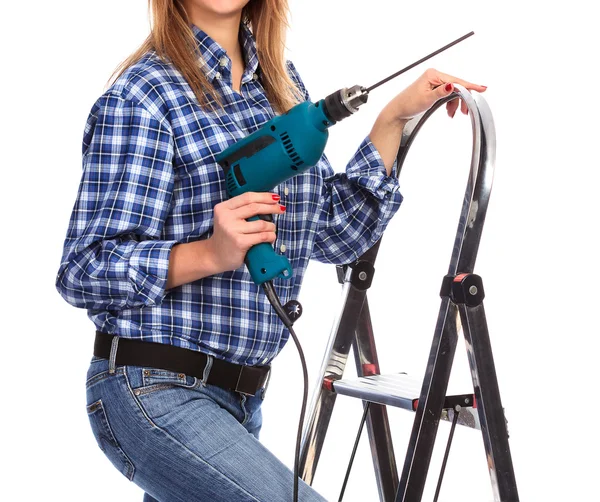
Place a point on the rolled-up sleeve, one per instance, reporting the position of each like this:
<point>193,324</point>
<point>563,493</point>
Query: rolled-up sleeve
<point>113,256</point>
<point>357,207</point>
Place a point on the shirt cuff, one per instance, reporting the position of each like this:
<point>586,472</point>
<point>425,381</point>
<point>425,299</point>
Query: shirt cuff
<point>148,268</point>
<point>367,170</point>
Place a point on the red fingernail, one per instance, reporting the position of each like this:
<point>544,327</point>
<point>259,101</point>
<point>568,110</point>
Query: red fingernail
<point>275,197</point>
<point>282,208</point>
<point>448,87</point>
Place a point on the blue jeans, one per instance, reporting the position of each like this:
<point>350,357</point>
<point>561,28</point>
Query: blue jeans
<point>183,441</point>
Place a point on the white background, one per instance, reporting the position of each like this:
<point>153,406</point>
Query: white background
<point>538,256</point>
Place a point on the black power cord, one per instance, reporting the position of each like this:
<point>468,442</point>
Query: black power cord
<point>276,303</point>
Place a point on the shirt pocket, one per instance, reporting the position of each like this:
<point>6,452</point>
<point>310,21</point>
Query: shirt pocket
<point>107,441</point>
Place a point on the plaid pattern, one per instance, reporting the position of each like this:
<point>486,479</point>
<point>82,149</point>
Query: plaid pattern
<point>150,181</point>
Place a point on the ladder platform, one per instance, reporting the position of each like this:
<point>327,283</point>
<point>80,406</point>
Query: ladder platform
<point>402,391</point>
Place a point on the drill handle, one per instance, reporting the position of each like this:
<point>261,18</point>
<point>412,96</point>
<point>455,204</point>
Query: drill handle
<point>263,263</point>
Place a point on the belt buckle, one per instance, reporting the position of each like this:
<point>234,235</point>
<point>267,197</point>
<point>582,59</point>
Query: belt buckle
<point>253,379</point>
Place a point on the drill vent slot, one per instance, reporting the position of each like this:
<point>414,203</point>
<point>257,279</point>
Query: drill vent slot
<point>235,178</point>
<point>291,151</point>
<point>232,186</point>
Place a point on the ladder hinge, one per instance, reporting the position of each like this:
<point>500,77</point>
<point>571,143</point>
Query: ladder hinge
<point>464,289</point>
<point>360,274</point>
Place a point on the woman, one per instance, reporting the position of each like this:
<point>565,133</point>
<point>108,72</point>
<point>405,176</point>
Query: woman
<point>155,250</point>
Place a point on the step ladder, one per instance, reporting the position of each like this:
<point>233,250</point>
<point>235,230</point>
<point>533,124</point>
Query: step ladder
<point>462,296</point>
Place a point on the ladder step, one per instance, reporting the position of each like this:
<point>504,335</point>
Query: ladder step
<point>398,390</point>
<point>403,391</point>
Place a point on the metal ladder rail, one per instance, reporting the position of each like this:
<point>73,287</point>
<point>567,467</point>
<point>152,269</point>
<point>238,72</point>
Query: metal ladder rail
<point>353,325</point>
<point>472,317</point>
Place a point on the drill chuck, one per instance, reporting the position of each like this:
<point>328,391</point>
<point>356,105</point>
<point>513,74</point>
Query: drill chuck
<point>345,102</point>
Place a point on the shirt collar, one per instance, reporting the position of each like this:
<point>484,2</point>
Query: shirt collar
<point>213,55</point>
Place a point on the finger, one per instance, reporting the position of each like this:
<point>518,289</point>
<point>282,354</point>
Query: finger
<point>257,226</point>
<point>463,107</point>
<point>434,77</point>
<point>451,107</point>
<point>253,209</point>
<point>468,85</point>
<point>252,198</point>
<point>444,90</point>
<point>253,239</point>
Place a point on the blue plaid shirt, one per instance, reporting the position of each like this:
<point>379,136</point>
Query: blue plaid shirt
<point>150,181</point>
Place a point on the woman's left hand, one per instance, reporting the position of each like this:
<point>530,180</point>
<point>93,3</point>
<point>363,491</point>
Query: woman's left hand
<point>416,98</point>
<point>424,92</point>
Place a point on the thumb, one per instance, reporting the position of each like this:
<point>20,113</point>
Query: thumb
<point>444,90</point>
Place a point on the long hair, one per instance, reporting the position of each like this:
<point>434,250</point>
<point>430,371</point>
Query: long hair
<point>172,38</point>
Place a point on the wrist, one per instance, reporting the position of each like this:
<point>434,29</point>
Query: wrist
<point>389,119</point>
<point>207,257</point>
<point>190,262</point>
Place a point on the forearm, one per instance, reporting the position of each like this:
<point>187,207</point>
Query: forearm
<point>191,262</point>
<point>385,136</point>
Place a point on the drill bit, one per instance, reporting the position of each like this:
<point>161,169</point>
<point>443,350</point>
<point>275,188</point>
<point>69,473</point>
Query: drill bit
<point>381,82</point>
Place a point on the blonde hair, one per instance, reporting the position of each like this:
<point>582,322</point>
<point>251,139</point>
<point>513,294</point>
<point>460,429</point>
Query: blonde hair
<point>172,38</point>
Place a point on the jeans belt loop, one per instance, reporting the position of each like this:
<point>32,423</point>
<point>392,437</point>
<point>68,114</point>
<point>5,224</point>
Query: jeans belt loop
<point>207,368</point>
<point>237,385</point>
<point>254,376</point>
<point>112,359</point>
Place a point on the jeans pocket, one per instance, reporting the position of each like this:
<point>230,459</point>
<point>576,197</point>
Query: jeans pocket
<point>158,392</point>
<point>154,379</point>
<point>107,441</point>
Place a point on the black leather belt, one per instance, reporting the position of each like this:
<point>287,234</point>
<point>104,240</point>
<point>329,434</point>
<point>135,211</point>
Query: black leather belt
<point>243,379</point>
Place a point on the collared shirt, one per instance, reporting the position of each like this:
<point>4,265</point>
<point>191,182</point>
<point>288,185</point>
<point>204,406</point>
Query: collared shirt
<point>150,181</point>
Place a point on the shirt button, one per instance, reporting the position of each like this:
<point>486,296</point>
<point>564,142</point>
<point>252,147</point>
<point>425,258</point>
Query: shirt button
<point>282,248</point>
<point>286,191</point>
<point>255,76</point>
<point>218,76</point>
<point>223,61</point>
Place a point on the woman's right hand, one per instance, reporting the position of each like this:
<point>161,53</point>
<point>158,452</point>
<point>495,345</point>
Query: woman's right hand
<point>233,235</point>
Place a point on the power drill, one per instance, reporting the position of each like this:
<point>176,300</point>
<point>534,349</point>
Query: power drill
<point>283,147</point>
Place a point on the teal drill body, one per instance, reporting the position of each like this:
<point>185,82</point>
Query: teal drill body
<point>283,147</point>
